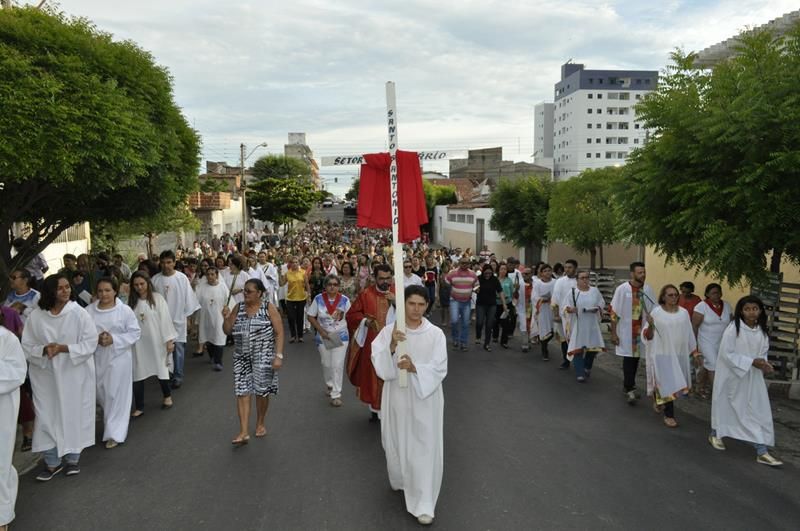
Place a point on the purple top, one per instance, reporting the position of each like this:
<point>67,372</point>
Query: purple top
<point>11,320</point>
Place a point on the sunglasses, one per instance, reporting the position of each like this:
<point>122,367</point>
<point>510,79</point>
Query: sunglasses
<point>335,284</point>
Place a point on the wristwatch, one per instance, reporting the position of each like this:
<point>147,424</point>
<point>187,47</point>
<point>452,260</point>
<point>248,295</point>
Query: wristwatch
<point>279,355</point>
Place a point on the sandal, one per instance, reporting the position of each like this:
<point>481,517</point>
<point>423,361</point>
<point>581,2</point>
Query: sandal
<point>261,431</point>
<point>136,414</point>
<point>240,441</point>
<point>167,403</point>
<point>657,408</point>
<point>670,422</point>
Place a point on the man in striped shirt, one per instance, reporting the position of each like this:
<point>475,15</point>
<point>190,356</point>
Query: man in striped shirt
<point>462,281</point>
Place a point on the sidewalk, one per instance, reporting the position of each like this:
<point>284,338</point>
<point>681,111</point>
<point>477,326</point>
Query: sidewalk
<point>785,412</point>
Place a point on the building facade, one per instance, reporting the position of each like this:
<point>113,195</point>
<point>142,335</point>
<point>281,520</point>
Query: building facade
<point>594,118</point>
<point>543,134</point>
<point>297,148</point>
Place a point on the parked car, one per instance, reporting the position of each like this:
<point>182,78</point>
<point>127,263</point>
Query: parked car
<point>327,203</point>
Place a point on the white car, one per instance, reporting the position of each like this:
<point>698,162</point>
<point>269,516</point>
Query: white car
<point>327,203</point>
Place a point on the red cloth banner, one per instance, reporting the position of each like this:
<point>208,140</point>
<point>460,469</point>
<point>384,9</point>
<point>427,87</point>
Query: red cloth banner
<point>374,194</point>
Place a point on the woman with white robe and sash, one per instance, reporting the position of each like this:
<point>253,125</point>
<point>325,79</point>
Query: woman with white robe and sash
<point>152,354</point>
<point>12,374</point>
<point>212,296</point>
<point>59,341</point>
<point>740,404</point>
<point>582,308</point>
<point>669,343</point>
<point>542,311</point>
<point>117,329</point>
<point>412,417</point>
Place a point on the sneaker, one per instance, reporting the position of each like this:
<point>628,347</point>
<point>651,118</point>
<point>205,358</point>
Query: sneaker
<point>716,443</point>
<point>564,366</point>
<point>525,348</point>
<point>176,384</point>
<point>766,459</point>
<point>336,402</point>
<point>463,347</point>
<point>424,519</point>
<point>545,357</point>
<point>47,474</point>
<point>487,348</point>
<point>588,373</point>
<point>631,397</point>
<point>581,379</point>
<point>217,367</point>
<point>477,341</point>
<point>72,469</point>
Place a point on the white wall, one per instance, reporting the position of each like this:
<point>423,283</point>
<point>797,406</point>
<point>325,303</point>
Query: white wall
<point>491,238</point>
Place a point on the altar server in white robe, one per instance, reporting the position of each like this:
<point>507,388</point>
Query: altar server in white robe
<point>582,308</point>
<point>631,303</point>
<point>561,287</point>
<point>59,341</point>
<point>669,344</point>
<point>212,296</point>
<point>740,404</point>
<point>152,354</point>
<point>542,311</point>
<point>176,289</point>
<point>412,417</point>
<point>118,330</point>
<point>12,374</point>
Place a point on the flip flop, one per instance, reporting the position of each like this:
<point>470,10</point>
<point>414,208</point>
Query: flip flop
<point>260,433</point>
<point>240,442</point>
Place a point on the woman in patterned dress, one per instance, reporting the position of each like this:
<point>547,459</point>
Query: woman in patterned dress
<point>258,355</point>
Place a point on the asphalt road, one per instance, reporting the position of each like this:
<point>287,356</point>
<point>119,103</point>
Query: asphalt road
<point>525,448</point>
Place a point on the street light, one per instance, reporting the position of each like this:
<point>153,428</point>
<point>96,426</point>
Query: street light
<point>245,227</point>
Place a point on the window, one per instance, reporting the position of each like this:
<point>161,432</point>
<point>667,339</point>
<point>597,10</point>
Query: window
<point>599,126</point>
<point>596,140</point>
<point>588,140</point>
<point>599,111</point>
<point>638,96</point>
<point>451,217</point>
<point>461,218</point>
<point>609,125</point>
<point>599,96</point>
<point>589,111</point>
<point>597,155</point>
<point>591,96</point>
<point>609,154</point>
<point>613,95</point>
<point>636,126</point>
<point>625,95</point>
<point>622,140</point>
<point>620,154</point>
<point>635,140</point>
<point>638,81</point>
<point>470,218</point>
<point>588,126</point>
<point>600,81</point>
<point>646,81</point>
<point>588,155</point>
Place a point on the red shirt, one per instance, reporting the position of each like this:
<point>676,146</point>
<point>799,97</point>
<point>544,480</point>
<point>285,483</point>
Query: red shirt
<point>689,304</point>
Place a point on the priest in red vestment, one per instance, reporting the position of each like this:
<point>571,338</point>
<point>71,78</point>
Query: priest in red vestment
<point>373,305</point>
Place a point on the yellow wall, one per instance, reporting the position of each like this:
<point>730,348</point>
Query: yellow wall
<point>463,240</point>
<point>659,273</point>
<point>614,256</point>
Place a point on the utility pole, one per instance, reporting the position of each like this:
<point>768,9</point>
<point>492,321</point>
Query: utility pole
<point>244,202</point>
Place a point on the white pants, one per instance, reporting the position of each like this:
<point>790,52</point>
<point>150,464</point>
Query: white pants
<point>333,367</point>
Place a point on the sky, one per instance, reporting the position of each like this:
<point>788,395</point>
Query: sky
<point>468,73</point>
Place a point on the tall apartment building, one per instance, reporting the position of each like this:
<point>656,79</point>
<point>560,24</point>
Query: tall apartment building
<point>298,149</point>
<point>543,134</point>
<point>594,121</point>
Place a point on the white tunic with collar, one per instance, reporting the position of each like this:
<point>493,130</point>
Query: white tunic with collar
<point>12,374</point>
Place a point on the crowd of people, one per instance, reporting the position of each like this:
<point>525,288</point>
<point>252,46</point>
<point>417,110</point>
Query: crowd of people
<point>96,330</point>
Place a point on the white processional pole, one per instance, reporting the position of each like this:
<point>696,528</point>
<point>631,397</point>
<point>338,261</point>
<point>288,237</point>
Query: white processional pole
<point>397,247</point>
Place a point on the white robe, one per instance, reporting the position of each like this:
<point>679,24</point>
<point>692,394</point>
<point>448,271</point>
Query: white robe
<point>669,352</point>
<point>150,356</point>
<point>740,403</point>
<point>12,374</point>
<point>561,286</point>
<point>114,365</point>
<point>519,286</point>
<point>621,307</point>
<point>212,300</point>
<point>234,282</point>
<point>541,311</point>
<point>64,386</point>
<point>271,274</point>
<point>181,300</point>
<point>412,417</point>
<point>582,326</point>
<point>709,333</point>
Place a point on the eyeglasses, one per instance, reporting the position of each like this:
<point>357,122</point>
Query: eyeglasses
<point>406,267</point>
<point>334,284</point>
<point>250,290</point>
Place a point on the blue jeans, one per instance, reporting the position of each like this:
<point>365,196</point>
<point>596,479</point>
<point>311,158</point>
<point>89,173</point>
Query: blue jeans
<point>583,363</point>
<point>761,449</point>
<point>52,460</point>
<point>459,312</point>
<point>177,358</point>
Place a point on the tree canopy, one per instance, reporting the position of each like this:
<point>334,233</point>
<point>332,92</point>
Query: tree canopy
<point>520,210</point>
<point>582,213</point>
<point>717,186</point>
<point>90,130</point>
<point>352,193</point>
<point>282,190</point>
<point>438,195</point>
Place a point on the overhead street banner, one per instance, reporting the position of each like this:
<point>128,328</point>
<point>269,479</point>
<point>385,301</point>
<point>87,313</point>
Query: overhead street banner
<point>424,156</point>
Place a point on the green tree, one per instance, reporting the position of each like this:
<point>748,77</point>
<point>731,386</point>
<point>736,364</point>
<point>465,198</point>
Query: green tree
<point>282,190</point>
<point>352,193</point>
<point>90,131</point>
<point>717,187</point>
<point>520,210</point>
<point>438,195</point>
<point>582,213</point>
